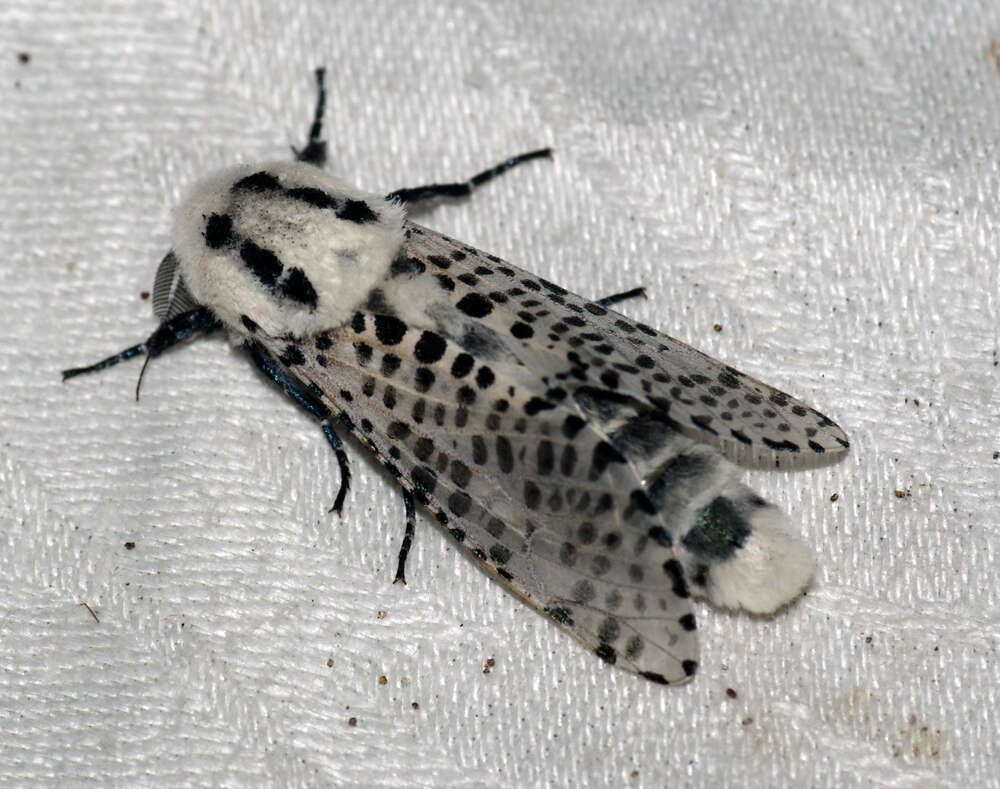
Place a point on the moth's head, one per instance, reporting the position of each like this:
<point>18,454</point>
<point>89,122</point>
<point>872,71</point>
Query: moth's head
<point>282,247</point>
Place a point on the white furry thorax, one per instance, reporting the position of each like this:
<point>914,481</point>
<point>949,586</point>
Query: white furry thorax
<point>283,246</point>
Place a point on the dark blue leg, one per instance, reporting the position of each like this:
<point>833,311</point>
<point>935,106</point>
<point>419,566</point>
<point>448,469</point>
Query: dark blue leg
<point>315,150</point>
<point>311,403</point>
<point>169,333</point>
<point>345,470</point>
<point>404,549</point>
<point>420,194</point>
<point>308,400</point>
<point>607,301</point>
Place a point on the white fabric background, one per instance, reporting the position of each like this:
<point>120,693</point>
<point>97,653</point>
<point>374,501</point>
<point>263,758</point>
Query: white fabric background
<point>821,181</point>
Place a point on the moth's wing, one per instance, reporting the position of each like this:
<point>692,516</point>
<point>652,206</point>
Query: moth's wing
<point>566,449</point>
<point>574,357</point>
<point>538,497</point>
<point>753,424</point>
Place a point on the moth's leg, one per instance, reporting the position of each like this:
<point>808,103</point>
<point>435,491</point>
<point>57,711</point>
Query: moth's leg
<point>308,400</point>
<point>121,356</point>
<point>607,301</point>
<point>315,149</point>
<point>421,194</point>
<point>404,549</point>
<point>345,469</point>
<point>169,333</point>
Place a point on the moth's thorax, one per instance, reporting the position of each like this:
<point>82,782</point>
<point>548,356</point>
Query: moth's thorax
<point>283,245</point>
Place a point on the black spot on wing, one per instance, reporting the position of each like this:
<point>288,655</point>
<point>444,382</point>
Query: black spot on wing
<point>407,266</point>
<point>460,473</point>
<point>424,480</point>
<point>522,331</point>
<point>536,404</point>
<point>505,454</point>
<point>465,395</point>
<point>291,356</point>
<point>500,553</point>
<point>390,364</point>
<point>660,536</point>
<point>363,351</point>
<point>429,348</point>
<point>462,365</point>
<point>572,425</point>
<point>398,431</point>
<point>603,455</point>
<point>704,422</point>
<point>639,501</point>
<point>672,569</point>
<point>475,305</point>
<point>610,379</point>
<point>780,446</point>
<point>423,379</point>
<point>485,378</point>
<point>459,503</point>
<point>741,437</point>
<point>389,329</point>
<point>480,454</point>
<point>532,495</point>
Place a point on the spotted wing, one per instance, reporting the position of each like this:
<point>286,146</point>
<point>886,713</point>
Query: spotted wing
<point>539,429</point>
<point>535,492</point>
<point>752,423</point>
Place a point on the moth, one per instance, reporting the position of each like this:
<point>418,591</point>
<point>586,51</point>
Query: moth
<point>584,459</point>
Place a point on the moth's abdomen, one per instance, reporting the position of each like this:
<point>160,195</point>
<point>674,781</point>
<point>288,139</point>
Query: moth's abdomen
<point>284,247</point>
<point>736,549</point>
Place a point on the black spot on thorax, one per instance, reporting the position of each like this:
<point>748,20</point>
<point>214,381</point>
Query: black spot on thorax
<point>376,303</point>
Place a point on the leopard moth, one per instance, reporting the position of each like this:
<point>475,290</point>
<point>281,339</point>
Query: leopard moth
<point>584,459</point>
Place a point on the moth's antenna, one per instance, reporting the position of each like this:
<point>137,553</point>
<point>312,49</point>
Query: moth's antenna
<point>142,372</point>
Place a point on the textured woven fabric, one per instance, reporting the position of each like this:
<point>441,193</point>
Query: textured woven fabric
<point>807,193</point>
